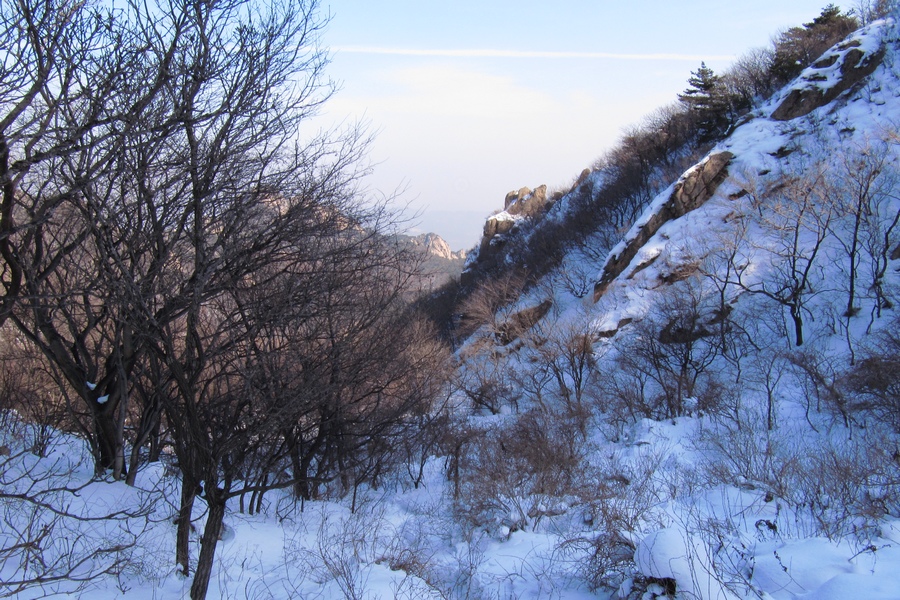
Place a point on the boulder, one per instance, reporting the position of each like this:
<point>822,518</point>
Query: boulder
<point>497,225</point>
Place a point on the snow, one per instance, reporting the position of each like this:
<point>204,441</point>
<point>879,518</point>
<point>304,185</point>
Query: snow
<point>701,509</point>
<point>504,217</point>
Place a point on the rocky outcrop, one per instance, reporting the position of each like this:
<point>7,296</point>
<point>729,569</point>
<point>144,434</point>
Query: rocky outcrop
<point>693,189</point>
<point>836,72</point>
<point>498,224</point>
<point>439,264</point>
<point>434,246</point>
<point>520,322</point>
<point>437,247</point>
<point>526,202</point>
<point>518,204</point>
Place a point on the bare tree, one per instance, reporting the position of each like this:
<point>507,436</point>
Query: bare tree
<point>662,367</point>
<point>795,217</point>
<point>869,10</point>
<point>45,53</point>
<point>66,95</point>
<point>172,231</point>
<point>861,189</point>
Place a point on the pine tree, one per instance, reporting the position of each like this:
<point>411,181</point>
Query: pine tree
<point>703,83</point>
<point>707,100</point>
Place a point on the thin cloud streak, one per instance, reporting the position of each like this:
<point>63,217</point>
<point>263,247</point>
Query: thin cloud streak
<point>493,53</point>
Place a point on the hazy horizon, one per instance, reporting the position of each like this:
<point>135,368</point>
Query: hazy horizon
<point>470,101</point>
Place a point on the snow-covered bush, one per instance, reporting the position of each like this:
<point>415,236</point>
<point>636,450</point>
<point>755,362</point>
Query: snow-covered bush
<point>62,530</point>
<point>517,473</point>
<point>626,497</point>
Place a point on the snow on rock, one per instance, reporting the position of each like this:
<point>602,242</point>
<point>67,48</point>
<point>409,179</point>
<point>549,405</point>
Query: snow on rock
<point>835,72</point>
<point>673,553</point>
<point>695,187</point>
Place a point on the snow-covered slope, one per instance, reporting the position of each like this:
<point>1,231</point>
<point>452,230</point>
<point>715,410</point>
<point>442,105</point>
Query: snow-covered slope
<point>731,327</point>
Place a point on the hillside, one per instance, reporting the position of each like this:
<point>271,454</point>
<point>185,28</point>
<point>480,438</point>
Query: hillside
<point>731,352</point>
<point>682,384</point>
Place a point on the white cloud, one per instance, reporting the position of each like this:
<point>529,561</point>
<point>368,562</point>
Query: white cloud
<point>498,53</point>
<point>443,91</point>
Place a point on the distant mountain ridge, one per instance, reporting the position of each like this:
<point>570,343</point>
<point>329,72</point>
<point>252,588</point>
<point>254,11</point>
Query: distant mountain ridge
<point>435,246</point>
<point>440,264</point>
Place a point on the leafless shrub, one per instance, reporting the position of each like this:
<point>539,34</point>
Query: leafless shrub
<point>488,382</point>
<point>514,475</point>
<point>51,540</point>
<point>490,304</point>
<point>622,506</point>
<point>663,366</point>
<point>819,373</point>
<point>834,487</point>
<point>344,544</point>
<point>874,383</point>
<point>848,486</point>
<point>560,366</point>
<point>28,389</point>
<point>753,457</point>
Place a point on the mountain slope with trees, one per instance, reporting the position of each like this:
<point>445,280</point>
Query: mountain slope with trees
<point>675,379</point>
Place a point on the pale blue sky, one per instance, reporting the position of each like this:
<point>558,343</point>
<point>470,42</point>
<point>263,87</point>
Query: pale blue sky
<point>472,99</point>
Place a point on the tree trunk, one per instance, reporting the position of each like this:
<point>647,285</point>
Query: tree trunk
<point>208,548</point>
<point>798,324</point>
<point>13,269</point>
<point>147,432</point>
<point>183,532</point>
<point>106,431</point>
<point>300,469</point>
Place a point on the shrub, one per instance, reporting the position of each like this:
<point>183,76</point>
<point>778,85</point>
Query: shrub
<point>874,382</point>
<point>516,474</point>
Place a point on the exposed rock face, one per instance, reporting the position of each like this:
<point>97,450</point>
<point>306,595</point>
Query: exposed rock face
<point>526,202</point>
<point>440,264</point>
<point>518,204</point>
<point>693,189</point>
<point>852,64</point>
<point>436,246</point>
<point>521,322</point>
<point>497,225</point>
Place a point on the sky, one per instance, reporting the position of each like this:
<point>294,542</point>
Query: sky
<point>469,99</point>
